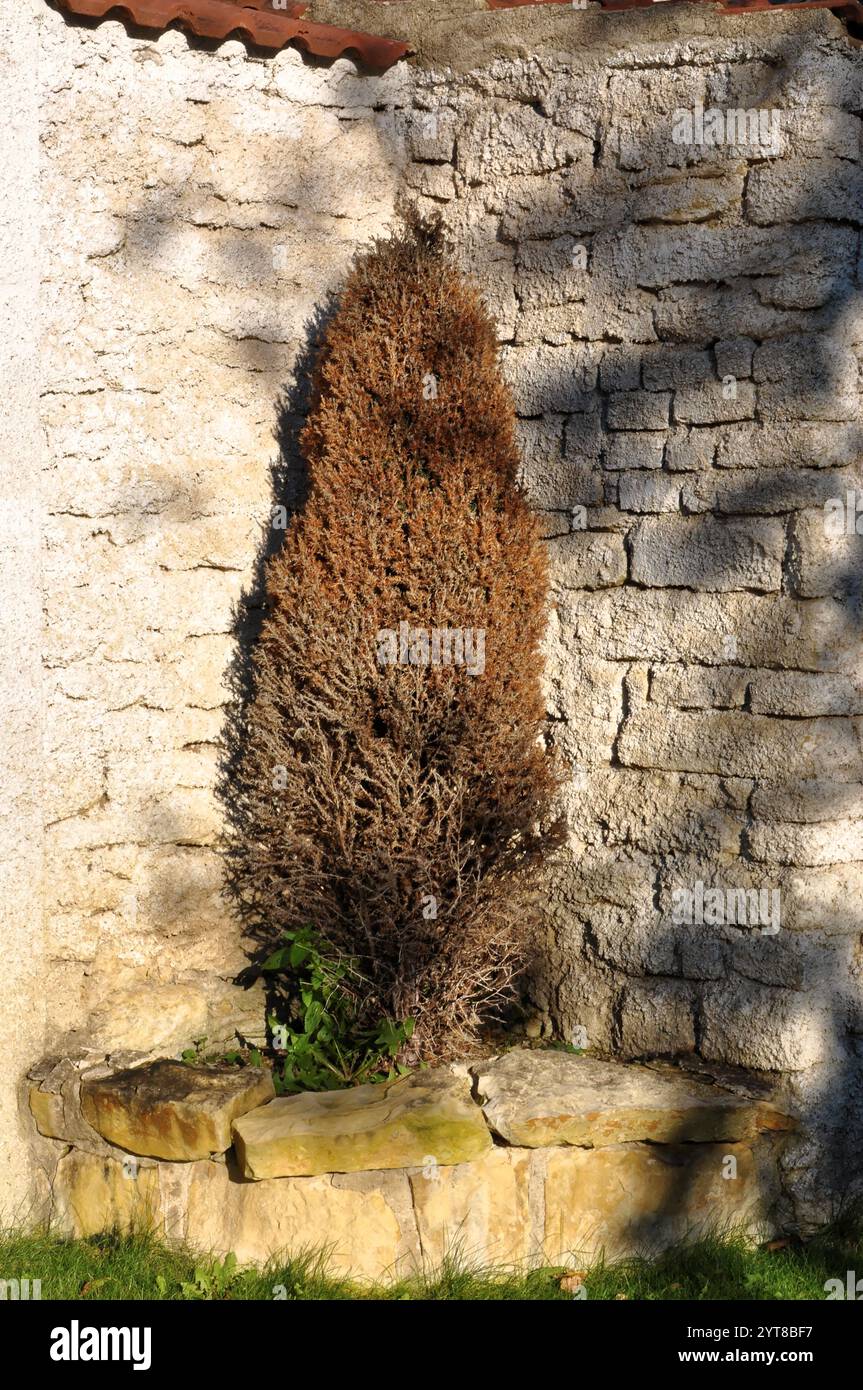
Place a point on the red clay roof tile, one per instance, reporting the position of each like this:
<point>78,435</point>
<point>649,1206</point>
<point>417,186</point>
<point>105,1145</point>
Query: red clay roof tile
<point>257,20</point>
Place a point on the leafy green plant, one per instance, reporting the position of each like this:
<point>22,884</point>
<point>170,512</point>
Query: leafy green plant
<point>328,1048</point>
<point>210,1281</point>
<point>559,1046</point>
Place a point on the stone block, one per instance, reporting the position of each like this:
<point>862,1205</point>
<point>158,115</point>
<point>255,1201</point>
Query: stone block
<point>424,1117</point>
<point>548,378</point>
<point>700,198</point>
<point>537,1099</point>
<point>588,560</point>
<point>824,900</point>
<point>734,744</point>
<point>690,449</point>
<point>712,402</point>
<point>431,135</point>
<point>94,1193</point>
<point>807,377</point>
<point>708,553</point>
<point>578,1124</point>
<point>482,1209</point>
<point>646,1197</point>
<point>701,687</point>
<point>808,802</point>
<point>587,696</point>
<point>770,1030</point>
<point>797,190</point>
<point>805,694</point>
<point>48,1112</point>
<point>494,144</point>
<point>639,449</point>
<point>734,357</point>
<point>151,1017</point>
<point>770,492</point>
<point>361,1233</point>
<point>657,1019</point>
<point>561,473</point>
<point>638,410</point>
<point>713,629</point>
<point>170,1110</point>
<point>825,552</point>
<point>630,810</point>
<point>656,257</point>
<point>787,445</point>
<point>827,842</point>
<point>620,368</point>
<point>648,492</point>
<point>668,368</point>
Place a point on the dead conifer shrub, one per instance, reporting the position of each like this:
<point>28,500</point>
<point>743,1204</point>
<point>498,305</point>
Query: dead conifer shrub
<point>394,790</point>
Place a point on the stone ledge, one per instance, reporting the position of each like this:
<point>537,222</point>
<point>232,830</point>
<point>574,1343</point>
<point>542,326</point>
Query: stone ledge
<point>536,1099</point>
<point>528,1157</point>
<point>527,1098</point>
<point>429,1117</point>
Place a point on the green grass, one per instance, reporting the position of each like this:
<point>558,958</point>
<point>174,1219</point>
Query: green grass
<point>138,1267</point>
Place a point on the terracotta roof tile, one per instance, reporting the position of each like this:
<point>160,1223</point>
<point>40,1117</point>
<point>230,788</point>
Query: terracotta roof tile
<point>256,20</point>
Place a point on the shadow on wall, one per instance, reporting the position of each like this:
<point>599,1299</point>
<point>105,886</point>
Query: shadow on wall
<point>714,630</point>
<point>289,490</point>
<point>231,204</point>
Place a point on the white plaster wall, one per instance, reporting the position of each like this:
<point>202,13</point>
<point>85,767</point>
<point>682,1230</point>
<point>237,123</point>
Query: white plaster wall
<point>22,995</point>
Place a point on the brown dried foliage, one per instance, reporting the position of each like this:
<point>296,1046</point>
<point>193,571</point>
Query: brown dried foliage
<point>400,781</point>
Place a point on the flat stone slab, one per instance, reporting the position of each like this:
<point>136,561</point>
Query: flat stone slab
<point>537,1099</point>
<point>425,1119</point>
<point>170,1110</point>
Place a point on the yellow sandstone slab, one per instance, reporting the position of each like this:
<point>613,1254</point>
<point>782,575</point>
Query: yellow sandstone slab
<point>427,1118</point>
<point>538,1099</point>
<point>92,1194</point>
<point>479,1210</point>
<point>357,1232</point>
<point>46,1108</point>
<point>169,1110</point>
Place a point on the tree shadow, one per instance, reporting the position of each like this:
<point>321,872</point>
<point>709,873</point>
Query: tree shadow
<point>172,261</point>
<point>289,485</point>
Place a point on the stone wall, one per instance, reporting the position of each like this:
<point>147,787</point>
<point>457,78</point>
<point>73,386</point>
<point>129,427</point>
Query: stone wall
<point>534,1157</point>
<point>682,329</point>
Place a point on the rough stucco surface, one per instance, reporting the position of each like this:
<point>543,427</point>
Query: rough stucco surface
<point>704,661</point>
<point>22,990</point>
